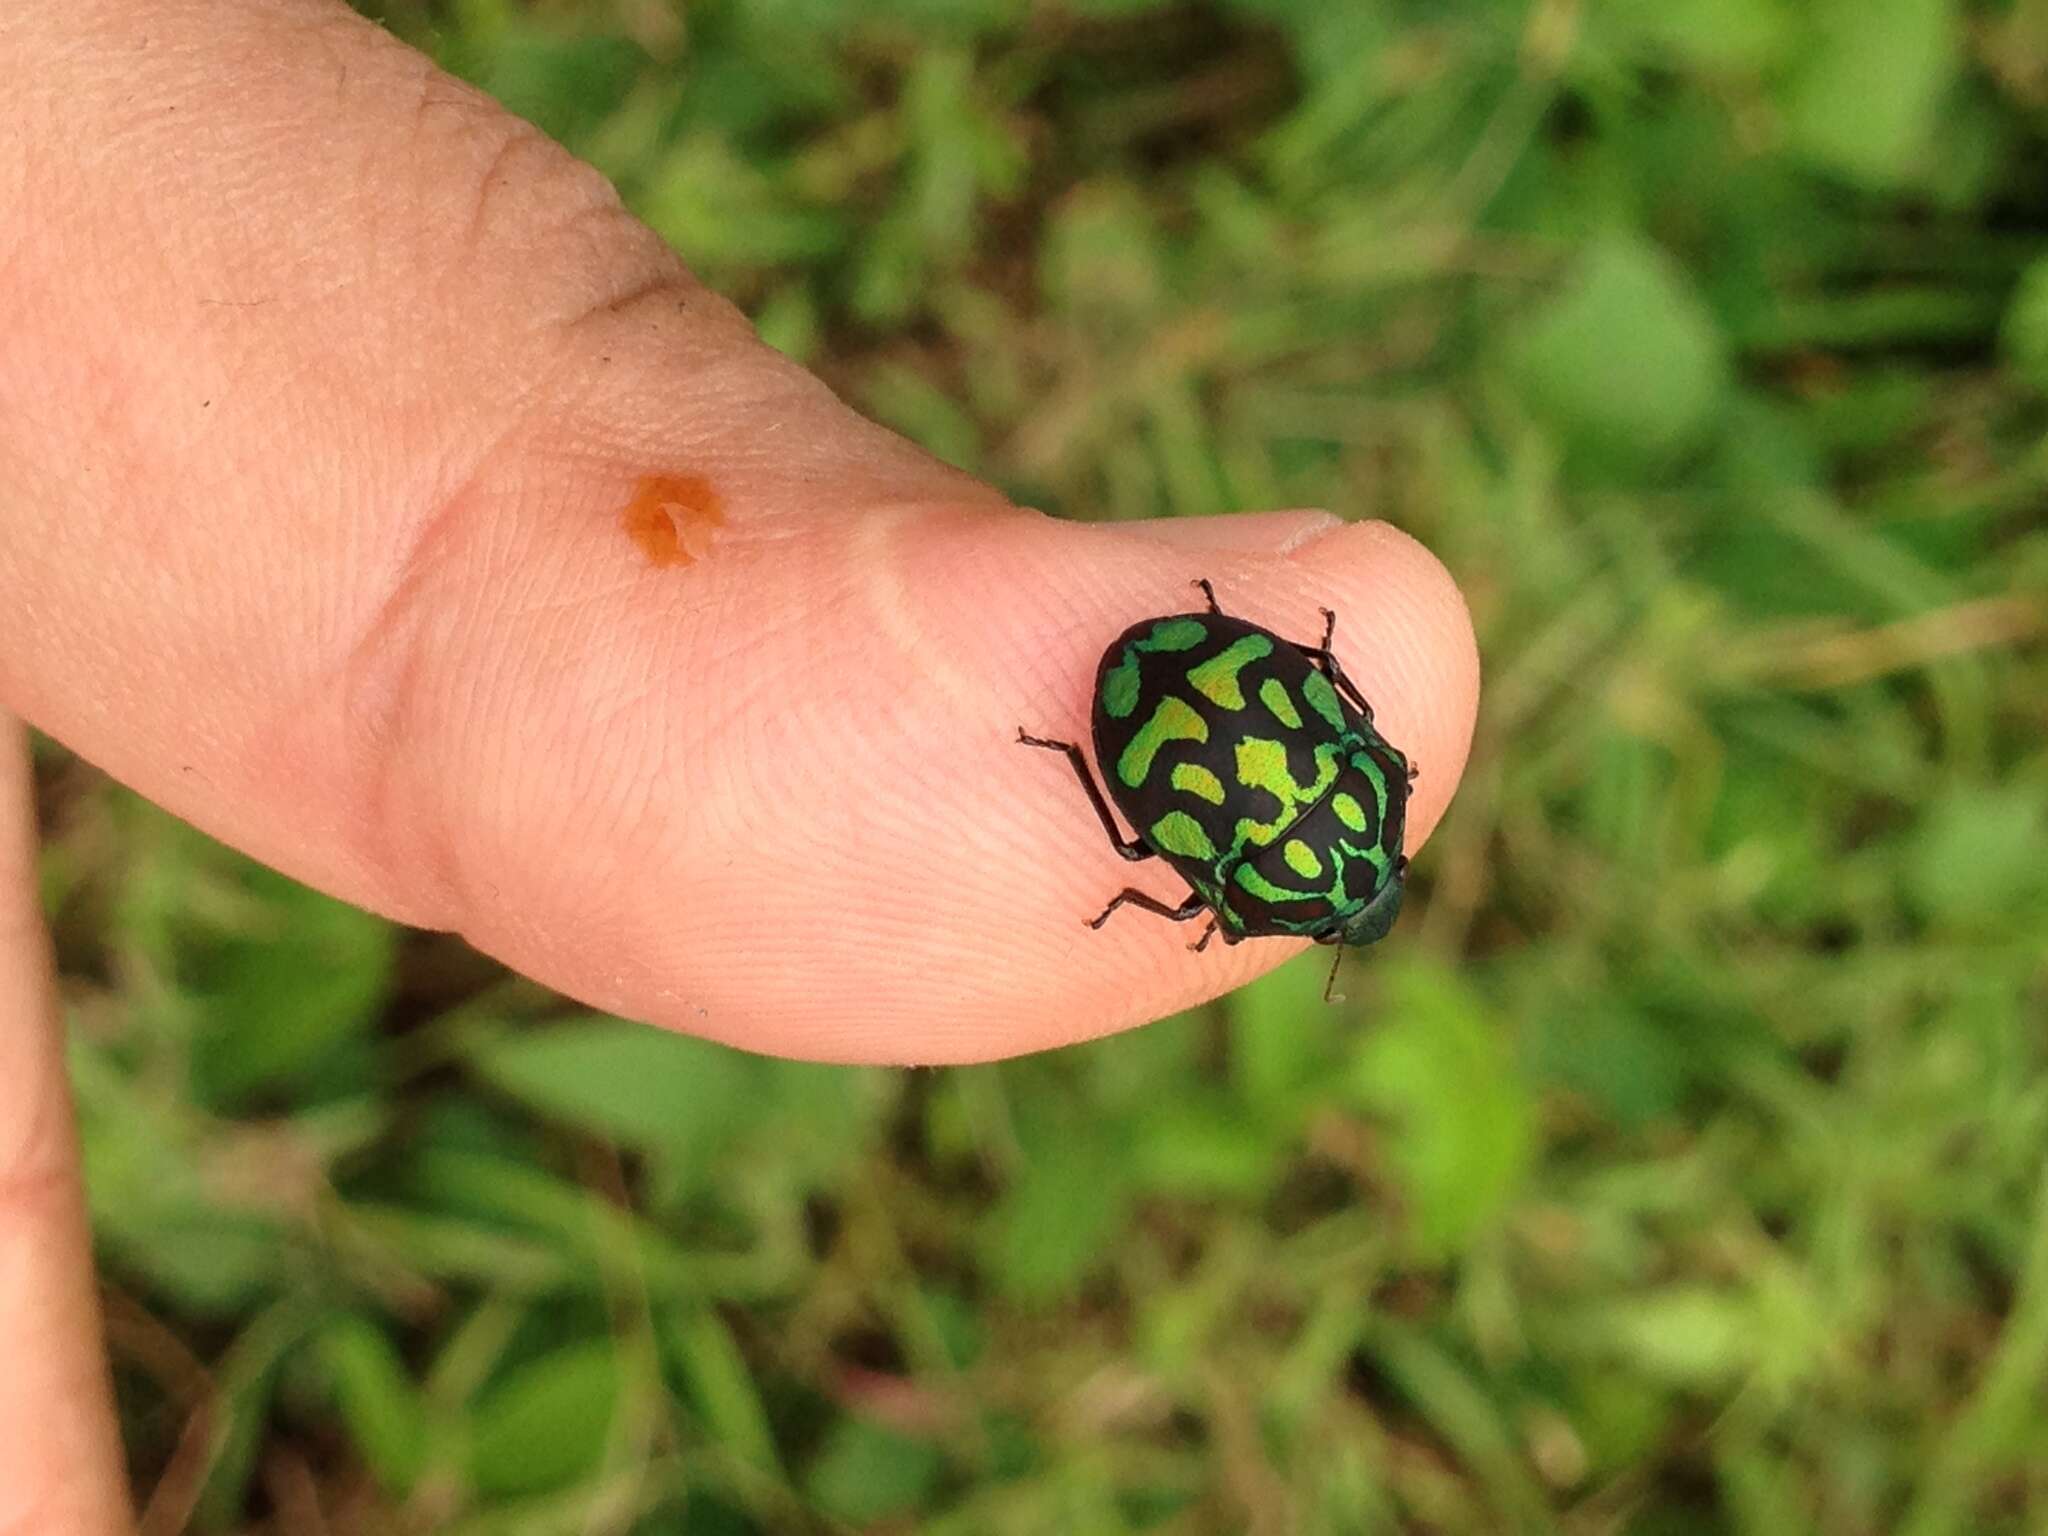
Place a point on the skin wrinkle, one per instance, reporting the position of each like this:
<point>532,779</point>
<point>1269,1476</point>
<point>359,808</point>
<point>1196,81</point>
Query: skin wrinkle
<point>1047,689</point>
<point>39,1184</point>
<point>36,1153</point>
<point>388,620</point>
<point>1299,542</point>
<point>321,32</point>
<point>622,267</point>
<point>884,547</point>
<point>516,139</point>
<point>378,681</point>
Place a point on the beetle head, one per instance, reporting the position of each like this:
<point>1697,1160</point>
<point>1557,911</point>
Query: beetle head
<point>1376,918</point>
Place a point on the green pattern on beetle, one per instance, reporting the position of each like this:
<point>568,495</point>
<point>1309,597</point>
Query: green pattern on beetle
<point>1322,698</point>
<point>1198,781</point>
<point>1181,634</point>
<point>1273,694</point>
<point>1251,765</point>
<point>1179,833</point>
<point>1262,765</point>
<point>1217,678</point>
<point>1171,720</point>
<point>1118,689</point>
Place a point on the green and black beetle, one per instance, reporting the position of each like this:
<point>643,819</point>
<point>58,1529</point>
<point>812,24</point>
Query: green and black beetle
<point>1250,764</point>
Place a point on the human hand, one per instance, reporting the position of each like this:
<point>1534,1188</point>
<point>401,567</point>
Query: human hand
<point>335,410</point>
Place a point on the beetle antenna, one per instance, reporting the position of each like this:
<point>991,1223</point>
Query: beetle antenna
<point>1330,994</point>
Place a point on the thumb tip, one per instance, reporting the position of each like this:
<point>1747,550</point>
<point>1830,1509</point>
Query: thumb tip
<point>1403,627</point>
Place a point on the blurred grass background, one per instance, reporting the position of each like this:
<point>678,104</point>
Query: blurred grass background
<point>1678,1168</point>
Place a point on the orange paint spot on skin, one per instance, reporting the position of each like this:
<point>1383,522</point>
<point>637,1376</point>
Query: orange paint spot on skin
<point>673,518</point>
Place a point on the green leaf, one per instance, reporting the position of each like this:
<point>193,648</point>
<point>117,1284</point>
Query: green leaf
<point>631,1083</point>
<point>1059,1217</point>
<point>1460,1409</point>
<point>1283,1036</point>
<point>453,1248</point>
<point>546,1426</point>
<point>153,1210</point>
<point>865,1474</point>
<point>1613,1054</point>
<point>2025,332</point>
<point>1979,853</point>
<point>301,973</point>
<point>1690,1336</point>
<point>216,1262</point>
<point>1706,34</point>
<point>718,208</point>
<point>584,1230</point>
<point>820,1119</point>
<point>1204,1145</point>
<point>721,1385</point>
<point>244,1380</point>
<point>1463,1132</point>
<point>1626,360</point>
<point>1870,97</point>
<point>957,1326</point>
<point>1100,255</point>
<point>563,82</point>
<point>1115,8</point>
<point>1331,42</point>
<point>949,17</point>
<point>378,1401</point>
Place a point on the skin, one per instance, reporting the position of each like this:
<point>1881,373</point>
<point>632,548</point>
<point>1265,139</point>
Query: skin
<point>323,388</point>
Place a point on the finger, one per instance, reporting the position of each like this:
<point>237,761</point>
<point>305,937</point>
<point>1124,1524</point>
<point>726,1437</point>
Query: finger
<point>426,531</point>
<point>60,1459</point>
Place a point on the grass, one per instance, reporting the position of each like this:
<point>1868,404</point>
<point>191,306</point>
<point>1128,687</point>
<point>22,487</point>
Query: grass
<point>1681,1170</point>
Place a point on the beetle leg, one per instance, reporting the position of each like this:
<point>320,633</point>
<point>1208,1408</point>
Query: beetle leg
<point>1192,908</point>
<point>1135,849</point>
<point>1210,593</point>
<point>1202,943</point>
<point>1327,659</point>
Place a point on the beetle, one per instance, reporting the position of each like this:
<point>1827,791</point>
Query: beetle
<point>1250,764</point>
